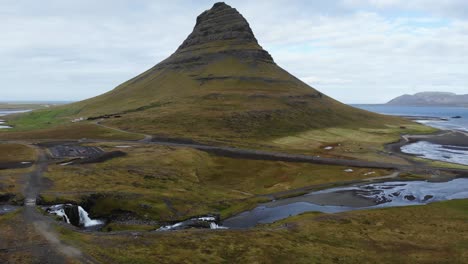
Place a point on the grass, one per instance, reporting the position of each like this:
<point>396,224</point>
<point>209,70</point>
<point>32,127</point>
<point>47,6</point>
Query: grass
<point>70,131</point>
<point>11,180</point>
<point>363,143</point>
<point>441,164</point>
<point>43,118</point>
<point>164,183</point>
<point>16,153</point>
<point>14,244</point>
<point>435,233</point>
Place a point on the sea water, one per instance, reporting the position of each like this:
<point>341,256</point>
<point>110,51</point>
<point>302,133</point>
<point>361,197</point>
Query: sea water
<point>426,111</point>
<point>424,149</point>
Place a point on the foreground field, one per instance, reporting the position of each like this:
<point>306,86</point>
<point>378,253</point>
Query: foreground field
<point>435,233</point>
<point>168,183</point>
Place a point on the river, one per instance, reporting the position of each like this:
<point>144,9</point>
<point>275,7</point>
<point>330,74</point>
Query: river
<point>354,197</point>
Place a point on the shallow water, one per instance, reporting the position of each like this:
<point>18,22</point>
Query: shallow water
<point>386,194</point>
<point>5,209</point>
<point>4,112</point>
<point>447,153</point>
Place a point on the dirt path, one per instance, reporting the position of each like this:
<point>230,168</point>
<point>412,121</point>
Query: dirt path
<point>55,250</point>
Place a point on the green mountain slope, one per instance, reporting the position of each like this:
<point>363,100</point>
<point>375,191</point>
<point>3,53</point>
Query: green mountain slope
<point>219,84</point>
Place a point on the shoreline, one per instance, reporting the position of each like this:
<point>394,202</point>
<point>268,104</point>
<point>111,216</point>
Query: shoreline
<point>450,139</point>
<point>423,118</point>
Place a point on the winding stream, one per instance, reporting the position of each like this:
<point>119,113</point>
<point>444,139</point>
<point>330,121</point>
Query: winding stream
<point>356,197</point>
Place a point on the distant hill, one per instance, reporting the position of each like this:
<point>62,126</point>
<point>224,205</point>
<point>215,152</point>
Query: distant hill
<point>220,83</point>
<point>431,98</point>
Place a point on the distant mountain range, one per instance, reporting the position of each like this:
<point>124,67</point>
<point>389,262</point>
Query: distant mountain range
<point>431,99</point>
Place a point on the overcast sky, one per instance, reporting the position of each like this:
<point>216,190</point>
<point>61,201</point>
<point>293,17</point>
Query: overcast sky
<point>357,51</point>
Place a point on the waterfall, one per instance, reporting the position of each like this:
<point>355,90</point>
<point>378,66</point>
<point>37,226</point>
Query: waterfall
<point>196,222</point>
<point>80,218</point>
<point>85,220</point>
<point>216,226</point>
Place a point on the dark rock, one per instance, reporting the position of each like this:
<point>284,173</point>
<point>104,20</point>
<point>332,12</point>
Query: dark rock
<point>6,198</point>
<point>102,157</point>
<point>146,206</point>
<point>221,22</point>
<point>73,214</point>
<point>456,117</point>
<point>428,197</point>
<point>410,197</point>
<point>73,151</point>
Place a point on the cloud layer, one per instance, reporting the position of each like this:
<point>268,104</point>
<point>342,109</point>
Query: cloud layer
<point>358,51</point>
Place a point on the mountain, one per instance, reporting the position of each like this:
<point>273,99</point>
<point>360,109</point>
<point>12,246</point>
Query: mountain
<point>431,99</point>
<point>219,84</point>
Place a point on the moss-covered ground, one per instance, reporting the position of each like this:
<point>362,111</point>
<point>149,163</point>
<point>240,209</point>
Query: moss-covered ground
<point>436,233</point>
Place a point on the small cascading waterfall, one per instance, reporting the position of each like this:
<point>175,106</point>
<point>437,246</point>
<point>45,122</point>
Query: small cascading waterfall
<point>207,222</point>
<point>73,214</point>
<point>85,220</point>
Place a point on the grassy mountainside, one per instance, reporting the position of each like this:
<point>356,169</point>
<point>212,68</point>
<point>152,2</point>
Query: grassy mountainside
<point>219,84</point>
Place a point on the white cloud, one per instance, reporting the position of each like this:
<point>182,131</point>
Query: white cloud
<point>358,51</point>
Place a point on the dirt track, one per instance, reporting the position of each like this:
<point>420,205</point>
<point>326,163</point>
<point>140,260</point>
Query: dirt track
<point>52,250</point>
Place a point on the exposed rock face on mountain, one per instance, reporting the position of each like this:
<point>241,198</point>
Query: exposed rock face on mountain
<point>220,84</point>
<point>219,23</point>
<point>219,33</point>
<point>431,98</point>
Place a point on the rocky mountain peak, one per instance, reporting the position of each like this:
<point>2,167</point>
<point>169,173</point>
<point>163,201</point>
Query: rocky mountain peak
<point>221,22</point>
<point>219,33</point>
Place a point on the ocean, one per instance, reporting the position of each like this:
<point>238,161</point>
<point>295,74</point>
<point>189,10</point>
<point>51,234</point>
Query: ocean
<point>424,149</point>
<point>431,111</point>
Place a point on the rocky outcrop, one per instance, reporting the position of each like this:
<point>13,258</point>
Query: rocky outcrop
<point>73,214</point>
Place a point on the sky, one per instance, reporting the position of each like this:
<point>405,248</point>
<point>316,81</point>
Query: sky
<point>357,51</point>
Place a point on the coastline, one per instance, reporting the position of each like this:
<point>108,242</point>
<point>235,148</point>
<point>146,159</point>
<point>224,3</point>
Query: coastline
<point>446,139</point>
